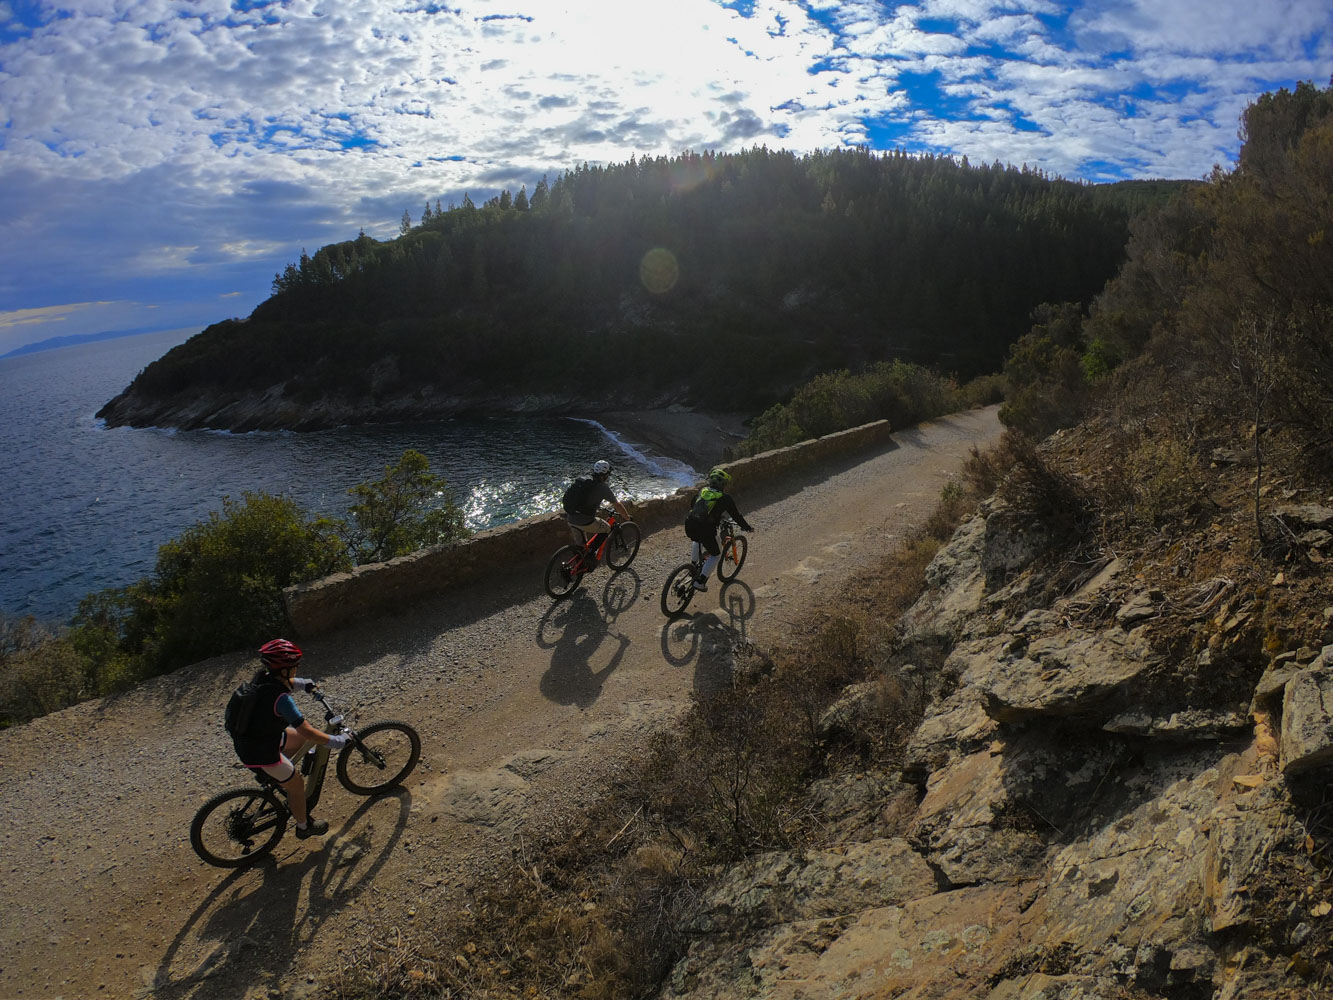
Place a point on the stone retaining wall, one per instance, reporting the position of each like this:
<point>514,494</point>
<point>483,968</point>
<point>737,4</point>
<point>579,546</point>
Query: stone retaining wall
<point>376,588</point>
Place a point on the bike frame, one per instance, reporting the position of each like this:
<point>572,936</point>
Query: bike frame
<point>726,531</point>
<point>587,549</point>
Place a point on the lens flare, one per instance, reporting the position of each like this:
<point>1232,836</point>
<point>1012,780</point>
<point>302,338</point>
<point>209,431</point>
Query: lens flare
<point>659,271</point>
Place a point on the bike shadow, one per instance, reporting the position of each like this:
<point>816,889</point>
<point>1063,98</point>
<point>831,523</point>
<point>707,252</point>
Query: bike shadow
<point>260,924</point>
<point>707,639</point>
<point>584,649</point>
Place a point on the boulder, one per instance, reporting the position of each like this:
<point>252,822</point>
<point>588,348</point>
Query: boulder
<point>1128,899</point>
<point>1187,724</point>
<point>767,921</point>
<point>859,807</point>
<point>1039,986</point>
<point>1140,608</point>
<point>1244,831</point>
<point>1065,675</point>
<point>993,816</point>
<point>956,727</point>
<point>971,570</point>
<point>785,887</point>
<point>945,947</point>
<point>858,705</point>
<point>966,824</point>
<point>1306,515</point>
<point>1307,717</point>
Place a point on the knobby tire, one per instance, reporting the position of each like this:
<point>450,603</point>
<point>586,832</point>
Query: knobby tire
<point>679,590</point>
<point>623,545</point>
<point>561,578</point>
<point>238,827</point>
<point>379,757</point>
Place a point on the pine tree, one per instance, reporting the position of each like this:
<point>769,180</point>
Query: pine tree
<point>405,226</point>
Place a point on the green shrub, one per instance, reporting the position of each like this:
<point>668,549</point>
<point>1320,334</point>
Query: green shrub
<point>406,510</point>
<point>985,390</point>
<point>216,587</point>
<point>896,391</point>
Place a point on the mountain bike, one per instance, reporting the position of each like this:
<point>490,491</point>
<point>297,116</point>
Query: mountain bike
<point>567,567</point>
<point>237,827</point>
<point>679,589</point>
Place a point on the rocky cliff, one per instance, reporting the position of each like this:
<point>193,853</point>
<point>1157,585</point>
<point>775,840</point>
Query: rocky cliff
<point>1116,790</point>
<point>274,408</point>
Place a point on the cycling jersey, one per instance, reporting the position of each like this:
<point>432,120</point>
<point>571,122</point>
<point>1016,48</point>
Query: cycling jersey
<point>581,507</point>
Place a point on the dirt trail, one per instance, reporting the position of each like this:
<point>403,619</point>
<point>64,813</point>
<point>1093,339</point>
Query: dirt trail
<point>525,708</point>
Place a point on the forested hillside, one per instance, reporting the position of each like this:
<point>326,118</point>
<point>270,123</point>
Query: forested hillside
<point>640,280</point>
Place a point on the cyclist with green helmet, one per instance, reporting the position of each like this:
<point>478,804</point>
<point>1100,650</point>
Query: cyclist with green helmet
<point>702,521</point>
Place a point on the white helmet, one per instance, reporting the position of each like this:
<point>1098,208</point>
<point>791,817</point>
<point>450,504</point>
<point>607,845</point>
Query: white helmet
<point>601,467</point>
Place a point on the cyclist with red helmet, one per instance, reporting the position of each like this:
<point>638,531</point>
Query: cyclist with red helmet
<point>269,731</point>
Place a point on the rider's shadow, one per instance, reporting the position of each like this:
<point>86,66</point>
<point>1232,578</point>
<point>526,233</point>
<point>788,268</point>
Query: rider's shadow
<point>581,657</point>
<point>708,639</point>
<point>261,925</point>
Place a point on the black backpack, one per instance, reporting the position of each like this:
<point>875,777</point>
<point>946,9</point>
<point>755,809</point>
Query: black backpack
<point>578,497</point>
<point>241,709</point>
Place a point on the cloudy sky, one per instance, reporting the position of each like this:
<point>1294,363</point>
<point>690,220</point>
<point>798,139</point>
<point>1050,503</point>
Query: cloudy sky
<point>160,160</point>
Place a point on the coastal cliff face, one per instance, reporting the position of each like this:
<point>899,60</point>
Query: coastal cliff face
<point>1115,792</point>
<point>273,409</point>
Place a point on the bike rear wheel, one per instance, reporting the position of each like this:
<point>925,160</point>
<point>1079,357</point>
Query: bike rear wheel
<point>378,757</point>
<point>237,828</point>
<point>564,571</point>
<point>679,590</point>
<point>733,557</point>
<point>623,545</point>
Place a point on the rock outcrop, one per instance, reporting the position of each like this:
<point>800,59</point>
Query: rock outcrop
<point>1080,828</point>
<point>273,408</point>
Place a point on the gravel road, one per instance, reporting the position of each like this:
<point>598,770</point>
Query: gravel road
<point>525,708</point>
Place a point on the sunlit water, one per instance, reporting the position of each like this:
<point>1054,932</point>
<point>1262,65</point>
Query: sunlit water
<point>83,507</point>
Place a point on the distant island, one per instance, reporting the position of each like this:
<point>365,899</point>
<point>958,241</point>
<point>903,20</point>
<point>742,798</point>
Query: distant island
<point>53,343</point>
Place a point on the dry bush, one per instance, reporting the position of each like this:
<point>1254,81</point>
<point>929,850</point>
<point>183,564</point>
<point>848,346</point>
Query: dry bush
<point>1162,482</point>
<point>1037,487</point>
<point>40,672</point>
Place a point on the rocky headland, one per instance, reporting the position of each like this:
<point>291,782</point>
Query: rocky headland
<point>275,408</point>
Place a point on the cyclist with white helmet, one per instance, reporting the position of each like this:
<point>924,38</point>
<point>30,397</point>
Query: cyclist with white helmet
<point>583,503</point>
<point>269,731</point>
<point>702,521</point>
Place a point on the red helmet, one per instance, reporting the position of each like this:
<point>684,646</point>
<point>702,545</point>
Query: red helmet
<point>278,654</point>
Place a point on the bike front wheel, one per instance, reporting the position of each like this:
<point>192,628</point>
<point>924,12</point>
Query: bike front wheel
<point>679,590</point>
<point>378,757</point>
<point>237,828</point>
<point>623,545</point>
<point>564,571</point>
<point>733,557</point>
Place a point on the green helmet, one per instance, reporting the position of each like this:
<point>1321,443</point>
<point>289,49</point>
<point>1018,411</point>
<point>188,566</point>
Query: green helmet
<point>718,476</point>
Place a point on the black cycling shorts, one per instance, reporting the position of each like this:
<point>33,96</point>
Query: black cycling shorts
<point>705,533</point>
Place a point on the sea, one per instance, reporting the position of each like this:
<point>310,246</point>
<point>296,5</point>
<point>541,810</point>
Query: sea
<point>85,507</point>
